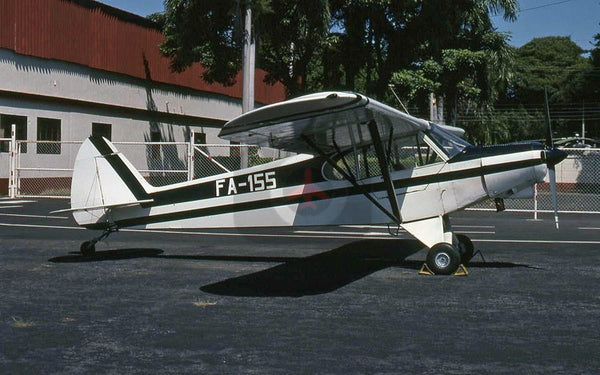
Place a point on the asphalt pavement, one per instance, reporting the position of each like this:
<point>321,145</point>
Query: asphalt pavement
<point>299,300</point>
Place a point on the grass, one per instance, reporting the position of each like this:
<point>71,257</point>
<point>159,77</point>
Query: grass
<point>21,323</point>
<point>204,303</point>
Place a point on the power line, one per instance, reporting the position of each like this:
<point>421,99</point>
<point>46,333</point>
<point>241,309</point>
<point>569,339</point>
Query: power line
<point>540,7</point>
<point>545,5</point>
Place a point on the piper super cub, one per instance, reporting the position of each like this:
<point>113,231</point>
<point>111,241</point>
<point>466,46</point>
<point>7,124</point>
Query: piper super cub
<point>357,161</point>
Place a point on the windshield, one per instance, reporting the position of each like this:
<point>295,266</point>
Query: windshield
<point>450,143</point>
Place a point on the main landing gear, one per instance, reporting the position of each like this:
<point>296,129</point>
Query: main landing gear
<point>446,259</point>
<point>88,248</point>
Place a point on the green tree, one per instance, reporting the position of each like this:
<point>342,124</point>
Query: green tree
<point>291,36</point>
<point>555,63</point>
<point>467,64</point>
<point>592,77</point>
<point>288,33</point>
<point>312,44</point>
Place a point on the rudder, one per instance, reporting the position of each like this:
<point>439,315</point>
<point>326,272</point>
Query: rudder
<point>103,177</point>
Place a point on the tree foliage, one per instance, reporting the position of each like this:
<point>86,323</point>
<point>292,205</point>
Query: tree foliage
<point>450,49</point>
<point>347,44</point>
<point>555,63</point>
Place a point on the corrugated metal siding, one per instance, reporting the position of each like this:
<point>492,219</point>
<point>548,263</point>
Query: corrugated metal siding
<point>6,24</point>
<point>62,30</point>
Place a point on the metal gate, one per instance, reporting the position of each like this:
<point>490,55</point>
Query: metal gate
<point>9,145</point>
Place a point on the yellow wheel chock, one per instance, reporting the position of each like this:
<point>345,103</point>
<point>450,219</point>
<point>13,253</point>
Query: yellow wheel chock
<point>460,271</point>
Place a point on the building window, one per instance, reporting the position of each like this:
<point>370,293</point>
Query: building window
<point>6,122</point>
<point>199,138</point>
<point>102,130</point>
<point>48,130</point>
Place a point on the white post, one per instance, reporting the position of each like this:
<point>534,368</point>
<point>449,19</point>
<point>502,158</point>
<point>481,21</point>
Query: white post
<point>248,56</point>
<point>12,175</point>
<point>535,202</point>
<point>191,156</point>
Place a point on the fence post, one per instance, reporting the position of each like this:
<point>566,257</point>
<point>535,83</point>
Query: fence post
<point>535,202</point>
<point>244,156</point>
<point>12,175</point>
<point>191,156</point>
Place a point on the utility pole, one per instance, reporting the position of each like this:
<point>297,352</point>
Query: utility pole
<point>248,57</point>
<point>436,109</point>
<point>432,108</point>
<point>440,110</point>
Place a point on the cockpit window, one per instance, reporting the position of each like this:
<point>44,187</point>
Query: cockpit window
<point>450,143</point>
<point>401,153</point>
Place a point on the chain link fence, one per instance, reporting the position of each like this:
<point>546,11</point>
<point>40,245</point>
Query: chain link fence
<point>161,163</point>
<point>578,186</point>
<point>213,159</point>
<point>44,169</point>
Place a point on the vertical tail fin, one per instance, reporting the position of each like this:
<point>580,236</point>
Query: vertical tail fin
<point>103,177</point>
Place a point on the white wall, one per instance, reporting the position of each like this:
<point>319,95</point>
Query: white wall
<point>81,86</point>
<point>66,80</point>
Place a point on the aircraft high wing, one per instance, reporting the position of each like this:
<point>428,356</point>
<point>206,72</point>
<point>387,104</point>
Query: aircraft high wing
<point>333,120</point>
<point>359,162</point>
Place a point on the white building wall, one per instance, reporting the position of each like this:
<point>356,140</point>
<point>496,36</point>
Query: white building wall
<point>71,81</point>
<point>79,96</point>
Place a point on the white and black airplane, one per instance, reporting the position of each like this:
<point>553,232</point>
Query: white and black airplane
<point>357,161</point>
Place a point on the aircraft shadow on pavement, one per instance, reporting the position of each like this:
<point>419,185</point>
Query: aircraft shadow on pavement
<point>121,254</point>
<point>296,276</point>
<point>319,273</point>
<point>124,254</point>
<point>331,270</point>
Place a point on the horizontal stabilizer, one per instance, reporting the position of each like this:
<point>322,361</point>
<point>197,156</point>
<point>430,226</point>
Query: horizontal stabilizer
<point>114,205</point>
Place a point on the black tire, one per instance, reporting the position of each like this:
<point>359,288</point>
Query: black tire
<point>465,248</point>
<point>443,259</point>
<point>88,249</point>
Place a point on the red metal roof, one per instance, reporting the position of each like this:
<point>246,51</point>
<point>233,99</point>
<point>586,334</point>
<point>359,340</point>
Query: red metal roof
<point>101,37</point>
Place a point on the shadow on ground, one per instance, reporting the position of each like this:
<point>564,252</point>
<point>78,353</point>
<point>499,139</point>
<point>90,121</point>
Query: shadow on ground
<point>296,276</point>
<point>319,273</point>
<point>331,270</point>
<point>121,254</point>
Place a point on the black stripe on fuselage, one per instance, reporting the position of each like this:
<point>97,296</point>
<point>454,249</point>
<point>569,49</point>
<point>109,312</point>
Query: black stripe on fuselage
<point>188,194</point>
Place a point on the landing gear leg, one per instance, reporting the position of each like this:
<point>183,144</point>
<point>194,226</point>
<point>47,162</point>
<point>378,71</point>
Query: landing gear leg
<point>88,248</point>
<point>443,257</point>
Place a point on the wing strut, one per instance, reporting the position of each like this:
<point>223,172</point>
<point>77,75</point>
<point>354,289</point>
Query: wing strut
<point>349,178</point>
<point>385,170</point>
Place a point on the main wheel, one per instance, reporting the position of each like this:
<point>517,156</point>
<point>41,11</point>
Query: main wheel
<point>443,259</point>
<point>465,248</point>
<point>88,248</point>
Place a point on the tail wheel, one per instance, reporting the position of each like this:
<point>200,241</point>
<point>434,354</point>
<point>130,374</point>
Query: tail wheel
<point>443,259</point>
<point>465,248</point>
<point>88,248</point>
